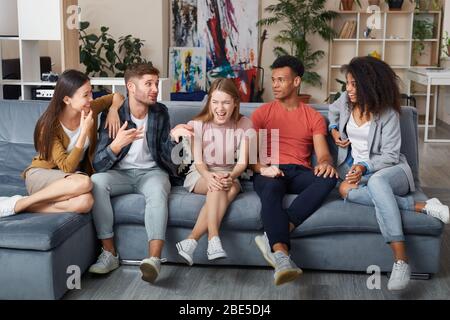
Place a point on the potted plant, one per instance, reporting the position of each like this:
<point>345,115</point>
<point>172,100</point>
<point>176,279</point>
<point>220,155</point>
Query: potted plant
<point>396,5</point>
<point>301,19</point>
<point>445,58</point>
<point>347,5</point>
<point>422,29</point>
<point>103,55</point>
<point>446,45</point>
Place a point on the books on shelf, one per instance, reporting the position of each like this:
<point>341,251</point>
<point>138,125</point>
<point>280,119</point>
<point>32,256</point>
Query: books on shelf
<point>348,30</point>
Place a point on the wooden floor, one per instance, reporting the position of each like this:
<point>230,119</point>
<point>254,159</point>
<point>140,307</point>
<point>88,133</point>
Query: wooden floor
<point>215,283</point>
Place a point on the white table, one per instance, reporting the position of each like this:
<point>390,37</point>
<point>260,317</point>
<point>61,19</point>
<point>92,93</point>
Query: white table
<point>429,77</point>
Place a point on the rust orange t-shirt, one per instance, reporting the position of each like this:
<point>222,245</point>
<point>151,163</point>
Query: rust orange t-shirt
<point>296,130</point>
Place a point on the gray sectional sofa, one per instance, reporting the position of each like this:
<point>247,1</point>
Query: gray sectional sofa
<point>36,249</point>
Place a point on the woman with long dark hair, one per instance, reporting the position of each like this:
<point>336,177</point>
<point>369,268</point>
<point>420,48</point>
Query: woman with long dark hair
<point>65,137</point>
<point>365,125</point>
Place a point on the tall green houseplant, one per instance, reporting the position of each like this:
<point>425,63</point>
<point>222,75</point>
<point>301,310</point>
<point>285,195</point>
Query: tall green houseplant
<point>103,55</point>
<point>302,18</point>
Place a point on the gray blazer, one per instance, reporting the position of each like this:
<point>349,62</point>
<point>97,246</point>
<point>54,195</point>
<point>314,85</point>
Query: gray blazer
<point>384,139</point>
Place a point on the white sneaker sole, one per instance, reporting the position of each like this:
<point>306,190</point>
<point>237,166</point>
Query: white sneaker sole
<point>184,255</point>
<point>260,243</point>
<point>149,272</point>
<point>397,288</point>
<point>215,256</point>
<point>287,276</point>
<point>96,270</point>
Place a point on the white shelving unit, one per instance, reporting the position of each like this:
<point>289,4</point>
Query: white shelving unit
<point>37,21</point>
<point>394,42</point>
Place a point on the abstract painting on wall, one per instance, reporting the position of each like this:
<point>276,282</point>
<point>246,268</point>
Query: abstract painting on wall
<point>229,33</point>
<point>187,69</point>
<point>184,23</point>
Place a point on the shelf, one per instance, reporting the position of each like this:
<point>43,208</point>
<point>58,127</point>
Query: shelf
<point>423,67</point>
<point>399,12</point>
<point>426,40</point>
<point>39,83</point>
<point>336,66</point>
<point>397,40</point>
<point>418,94</point>
<point>394,42</point>
<point>427,12</point>
<point>370,40</point>
<point>9,38</point>
<point>10,82</point>
<point>107,81</point>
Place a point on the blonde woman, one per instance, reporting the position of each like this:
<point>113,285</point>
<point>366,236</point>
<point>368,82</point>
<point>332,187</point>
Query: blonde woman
<point>211,174</point>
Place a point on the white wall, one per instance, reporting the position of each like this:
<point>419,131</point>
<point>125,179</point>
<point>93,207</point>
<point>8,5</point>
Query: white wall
<point>145,19</point>
<point>9,27</point>
<point>8,18</point>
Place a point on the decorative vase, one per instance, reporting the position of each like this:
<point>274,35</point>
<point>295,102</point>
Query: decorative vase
<point>424,5</point>
<point>445,62</point>
<point>346,5</point>
<point>395,5</point>
<point>374,2</point>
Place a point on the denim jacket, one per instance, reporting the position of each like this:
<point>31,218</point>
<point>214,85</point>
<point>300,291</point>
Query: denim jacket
<point>158,139</point>
<point>384,141</point>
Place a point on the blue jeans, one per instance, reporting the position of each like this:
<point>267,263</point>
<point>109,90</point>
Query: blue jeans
<point>387,191</point>
<point>153,183</point>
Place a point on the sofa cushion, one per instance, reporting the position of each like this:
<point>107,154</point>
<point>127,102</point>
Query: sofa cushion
<point>16,135</point>
<point>337,215</point>
<point>41,232</point>
<point>10,186</point>
<point>243,214</point>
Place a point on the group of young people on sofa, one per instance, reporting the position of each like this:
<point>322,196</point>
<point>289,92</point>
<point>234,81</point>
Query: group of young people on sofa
<point>135,145</point>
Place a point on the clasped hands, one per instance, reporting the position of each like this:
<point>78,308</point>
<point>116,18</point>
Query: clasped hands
<point>218,181</point>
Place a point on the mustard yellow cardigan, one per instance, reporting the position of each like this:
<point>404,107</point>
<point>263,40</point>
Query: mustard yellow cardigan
<point>70,161</point>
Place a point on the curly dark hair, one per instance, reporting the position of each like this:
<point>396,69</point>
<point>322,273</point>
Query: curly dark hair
<point>289,61</point>
<point>377,86</point>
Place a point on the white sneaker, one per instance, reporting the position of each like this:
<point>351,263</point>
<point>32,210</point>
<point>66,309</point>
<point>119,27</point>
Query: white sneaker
<point>263,245</point>
<point>285,269</point>
<point>106,263</point>
<point>433,201</point>
<point>186,250</point>
<point>438,210</point>
<point>7,205</point>
<point>150,268</point>
<point>215,250</point>
<point>401,273</point>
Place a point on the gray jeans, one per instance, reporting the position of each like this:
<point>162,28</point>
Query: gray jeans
<point>387,190</point>
<point>153,184</point>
